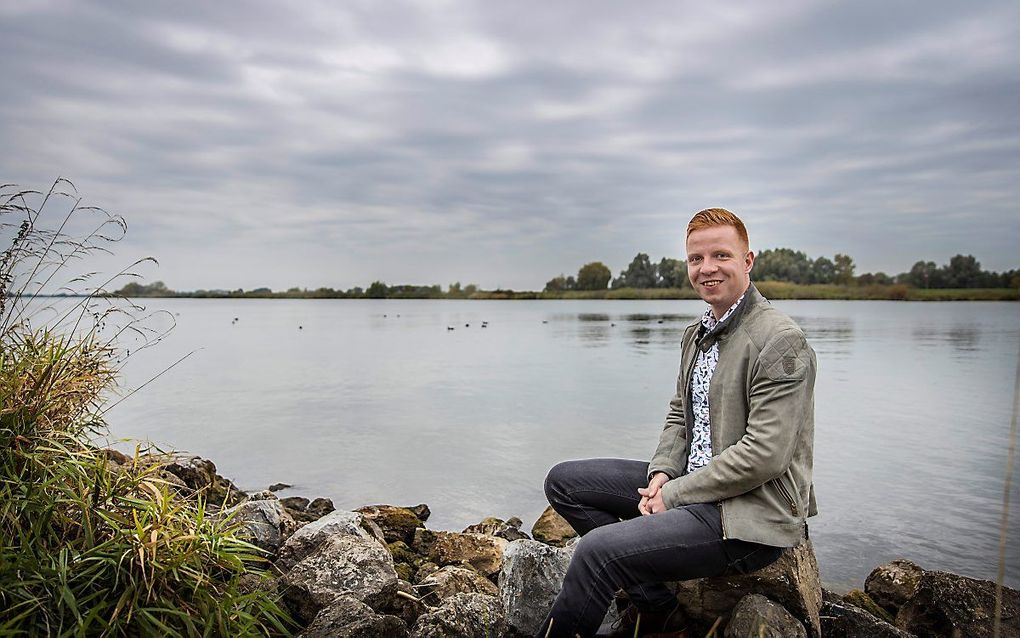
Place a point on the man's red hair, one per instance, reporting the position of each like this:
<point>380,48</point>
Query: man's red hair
<point>711,217</point>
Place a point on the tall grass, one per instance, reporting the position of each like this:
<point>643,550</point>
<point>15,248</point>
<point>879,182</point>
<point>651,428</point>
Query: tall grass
<point>90,547</point>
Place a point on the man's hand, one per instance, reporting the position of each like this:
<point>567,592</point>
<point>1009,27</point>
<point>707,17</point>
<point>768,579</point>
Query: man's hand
<point>651,496</point>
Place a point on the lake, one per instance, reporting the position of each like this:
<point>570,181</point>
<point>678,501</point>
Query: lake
<point>378,401</point>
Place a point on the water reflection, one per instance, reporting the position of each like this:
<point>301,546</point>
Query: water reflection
<point>828,335</point>
<point>963,338</point>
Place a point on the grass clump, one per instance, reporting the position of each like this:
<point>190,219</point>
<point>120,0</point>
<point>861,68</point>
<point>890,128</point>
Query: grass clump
<point>89,546</point>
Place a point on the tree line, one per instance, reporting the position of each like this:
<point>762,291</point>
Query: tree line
<point>793,266</point>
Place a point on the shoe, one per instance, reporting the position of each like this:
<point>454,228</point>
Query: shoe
<point>633,622</point>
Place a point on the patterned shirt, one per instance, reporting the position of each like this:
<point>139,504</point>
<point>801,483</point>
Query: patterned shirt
<point>701,379</point>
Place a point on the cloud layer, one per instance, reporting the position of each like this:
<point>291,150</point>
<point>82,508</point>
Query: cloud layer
<point>259,144</point>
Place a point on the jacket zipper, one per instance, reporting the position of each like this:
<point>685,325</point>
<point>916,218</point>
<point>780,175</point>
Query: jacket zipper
<point>786,495</point>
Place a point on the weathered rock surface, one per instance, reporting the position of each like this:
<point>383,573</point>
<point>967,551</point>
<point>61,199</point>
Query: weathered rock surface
<point>945,603</point>
<point>315,534</point>
<point>463,616</point>
<point>200,476</point>
<point>343,565</point>
<point>276,487</point>
<point>263,523</point>
<point>348,617</point>
<point>396,523</point>
<point>756,615</point>
<point>509,529</point>
<point>531,577</point>
<point>841,619</point>
<point>792,581</point>
<point>406,605</point>
<point>450,580</point>
<point>892,584</point>
<point>552,528</point>
<point>858,598</point>
<point>306,511</point>
<point>484,553</point>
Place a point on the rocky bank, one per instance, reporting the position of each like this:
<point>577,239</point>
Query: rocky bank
<point>378,571</point>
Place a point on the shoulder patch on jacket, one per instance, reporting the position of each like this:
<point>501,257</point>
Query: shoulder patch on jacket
<point>786,356</point>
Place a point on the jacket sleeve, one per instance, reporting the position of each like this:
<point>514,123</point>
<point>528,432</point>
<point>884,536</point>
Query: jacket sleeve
<point>669,455</point>
<point>780,400</point>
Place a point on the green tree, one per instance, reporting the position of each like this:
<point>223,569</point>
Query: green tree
<point>593,276</point>
<point>823,271</point>
<point>672,273</point>
<point>639,274</point>
<point>844,265</point>
<point>377,290</point>
<point>557,284</point>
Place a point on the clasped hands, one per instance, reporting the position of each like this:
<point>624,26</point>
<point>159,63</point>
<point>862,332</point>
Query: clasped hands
<point>651,496</point>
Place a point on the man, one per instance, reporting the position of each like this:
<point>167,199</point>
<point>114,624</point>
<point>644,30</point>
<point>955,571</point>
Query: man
<point>729,485</point>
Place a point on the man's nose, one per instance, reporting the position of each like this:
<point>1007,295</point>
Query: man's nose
<point>709,266</point>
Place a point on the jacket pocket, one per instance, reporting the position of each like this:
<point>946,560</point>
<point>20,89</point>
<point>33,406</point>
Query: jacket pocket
<point>787,496</point>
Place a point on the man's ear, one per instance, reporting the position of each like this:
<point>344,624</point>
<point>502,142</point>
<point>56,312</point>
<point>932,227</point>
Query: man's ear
<point>748,261</point>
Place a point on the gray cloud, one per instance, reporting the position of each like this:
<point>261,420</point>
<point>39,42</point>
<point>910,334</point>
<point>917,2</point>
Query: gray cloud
<point>262,144</point>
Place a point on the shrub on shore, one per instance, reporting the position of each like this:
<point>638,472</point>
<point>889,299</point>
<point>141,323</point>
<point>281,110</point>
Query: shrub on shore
<point>89,547</point>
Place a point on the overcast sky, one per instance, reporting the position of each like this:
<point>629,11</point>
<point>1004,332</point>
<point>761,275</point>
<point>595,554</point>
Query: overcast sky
<point>502,143</point>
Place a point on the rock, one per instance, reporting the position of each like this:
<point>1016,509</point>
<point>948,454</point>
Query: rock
<point>115,456</point>
<point>319,507</point>
<point>509,530</point>
<point>484,553</point>
<point>450,580</point>
<point>841,619</point>
<point>531,577</point>
<point>343,565</point>
<point>406,605</point>
<point>756,615</point>
<point>892,584</point>
<point>423,541</point>
<point>553,529</point>
<point>251,582</point>
<point>425,570</point>
<point>263,495</point>
<point>276,487</point>
<point>401,553</point>
<point>422,511</point>
<point>297,504</point>
<point>397,523</point>
<point>348,617</point>
<point>313,535</point>
<point>463,616</point>
<point>945,603</point>
<point>307,511</point>
<point>261,523</point>
<point>792,581</point>
<point>857,598</point>
<point>200,476</point>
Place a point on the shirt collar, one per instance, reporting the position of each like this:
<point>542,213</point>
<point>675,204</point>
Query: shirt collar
<point>709,321</point>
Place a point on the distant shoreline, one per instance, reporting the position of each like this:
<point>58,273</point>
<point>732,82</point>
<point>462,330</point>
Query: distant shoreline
<point>770,289</point>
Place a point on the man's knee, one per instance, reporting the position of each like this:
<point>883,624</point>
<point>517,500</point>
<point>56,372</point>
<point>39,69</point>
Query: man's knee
<point>557,479</point>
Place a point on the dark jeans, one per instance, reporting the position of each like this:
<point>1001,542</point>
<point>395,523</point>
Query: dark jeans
<point>638,553</point>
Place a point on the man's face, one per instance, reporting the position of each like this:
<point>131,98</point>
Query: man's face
<point>718,266</point>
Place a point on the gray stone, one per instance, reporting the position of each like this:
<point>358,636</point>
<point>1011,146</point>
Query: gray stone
<point>892,584</point>
<point>397,523</point>
<point>945,603</point>
<point>200,476</point>
<point>531,577</point>
<point>343,565</point>
<point>756,615</point>
<point>792,581</point>
<point>509,529</point>
<point>406,605</point>
<point>553,529</point>
<point>463,616</point>
<point>276,487</point>
<point>348,617</point>
<point>841,619</point>
<point>315,534</point>
<point>260,522</point>
<point>450,580</point>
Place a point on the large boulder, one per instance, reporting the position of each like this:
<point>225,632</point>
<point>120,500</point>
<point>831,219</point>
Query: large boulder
<point>757,616</point>
<point>450,580</point>
<point>263,523</point>
<point>893,584</point>
<point>792,581</point>
<point>553,529</point>
<point>315,534</point>
<point>343,565</point>
<point>348,617</point>
<point>531,577</point>
<point>200,476</point>
<point>946,603</point>
<point>483,553</point>
<point>396,523</point>
<point>463,616</point>
<point>858,598</point>
<point>841,619</point>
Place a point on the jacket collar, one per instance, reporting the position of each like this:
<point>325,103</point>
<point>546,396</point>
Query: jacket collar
<point>751,298</point>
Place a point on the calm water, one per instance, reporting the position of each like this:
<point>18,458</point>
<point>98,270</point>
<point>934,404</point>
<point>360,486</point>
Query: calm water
<point>378,402</point>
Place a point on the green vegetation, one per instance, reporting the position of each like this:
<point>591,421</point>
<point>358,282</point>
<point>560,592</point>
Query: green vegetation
<point>89,547</point>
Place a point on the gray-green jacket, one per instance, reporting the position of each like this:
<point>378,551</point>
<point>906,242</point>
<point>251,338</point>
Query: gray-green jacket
<point>761,411</point>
